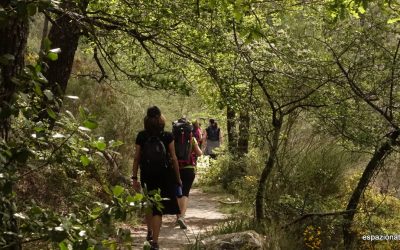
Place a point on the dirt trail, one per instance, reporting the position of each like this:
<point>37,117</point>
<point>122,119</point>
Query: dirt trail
<point>202,215</point>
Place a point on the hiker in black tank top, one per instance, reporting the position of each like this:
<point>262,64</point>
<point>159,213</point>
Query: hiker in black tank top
<point>158,172</point>
<point>212,138</point>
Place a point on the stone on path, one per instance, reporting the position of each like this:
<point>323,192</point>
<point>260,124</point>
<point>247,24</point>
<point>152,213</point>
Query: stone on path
<point>247,240</point>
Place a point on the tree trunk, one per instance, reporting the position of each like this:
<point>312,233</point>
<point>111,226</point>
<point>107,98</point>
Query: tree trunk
<point>64,34</point>
<point>231,128</point>
<point>45,32</point>
<point>262,183</point>
<point>13,40</point>
<point>244,126</point>
<point>363,183</point>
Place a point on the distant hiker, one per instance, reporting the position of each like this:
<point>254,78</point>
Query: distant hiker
<point>154,150</point>
<point>213,138</point>
<point>186,149</point>
<point>197,132</point>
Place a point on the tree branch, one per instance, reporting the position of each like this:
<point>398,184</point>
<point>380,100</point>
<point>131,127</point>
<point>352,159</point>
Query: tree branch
<point>392,82</point>
<point>305,216</point>
<point>103,72</point>
<point>358,91</point>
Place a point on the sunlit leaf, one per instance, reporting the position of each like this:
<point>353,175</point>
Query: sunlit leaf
<point>69,113</point>
<point>83,113</point>
<point>137,197</point>
<point>90,124</point>
<point>113,143</point>
<point>84,128</point>
<point>63,246</point>
<point>46,44</point>
<point>48,94</point>
<point>51,113</point>
<point>58,135</point>
<point>393,20</point>
<point>100,145</point>
<point>100,154</point>
<point>72,97</point>
<point>20,216</point>
<point>38,89</point>
<point>85,160</point>
<point>117,190</point>
<point>85,149</point>
<point>38,68</point>
<point>82,233</point>
<point>56,50</point>
<point>52,56</point>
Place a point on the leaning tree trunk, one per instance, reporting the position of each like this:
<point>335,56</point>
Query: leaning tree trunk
<point>64,34</point>
<point>45,32</point>
<point>231,128</point>
<point>372,166</point>
<point>244,126</point>
<point>13,39</point>
<point>269,165</point>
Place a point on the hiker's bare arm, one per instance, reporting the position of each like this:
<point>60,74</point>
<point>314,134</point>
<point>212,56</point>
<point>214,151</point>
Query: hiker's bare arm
<point>197,149</point>
<point>204,145</point>
<point>136,160</point>
<point>201,137</point>
<point>174,159</point>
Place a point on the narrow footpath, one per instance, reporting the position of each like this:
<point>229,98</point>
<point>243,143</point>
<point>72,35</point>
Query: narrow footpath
<point>202,215</point>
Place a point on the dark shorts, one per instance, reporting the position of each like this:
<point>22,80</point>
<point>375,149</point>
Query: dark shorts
<point>211,145</point>
<point>187,177</point>
<point>166,183</point>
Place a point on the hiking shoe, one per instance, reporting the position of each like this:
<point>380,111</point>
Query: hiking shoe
<point>149,236</point>
<point>181,223</point>
<point>154,246</point>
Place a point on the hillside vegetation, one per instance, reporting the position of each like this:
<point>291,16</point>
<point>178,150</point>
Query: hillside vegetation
<point>306,93</point>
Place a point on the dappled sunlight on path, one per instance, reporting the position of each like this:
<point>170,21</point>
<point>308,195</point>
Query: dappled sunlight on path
<point>202,215</point>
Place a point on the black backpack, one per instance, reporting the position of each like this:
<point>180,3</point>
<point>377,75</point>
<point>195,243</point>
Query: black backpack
<point>213,133</point>
<point>154,154</point>
<point>182,131</point>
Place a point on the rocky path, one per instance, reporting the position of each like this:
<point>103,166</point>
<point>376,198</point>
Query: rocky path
<point>202,215</point>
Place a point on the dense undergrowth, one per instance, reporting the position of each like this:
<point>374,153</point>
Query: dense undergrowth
<point>303,205</point>
<point>66,158</point>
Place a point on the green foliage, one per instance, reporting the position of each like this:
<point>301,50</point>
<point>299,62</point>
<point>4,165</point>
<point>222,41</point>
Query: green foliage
<point>309,181</point>
<point>118,110</point>
<point>377,216</point>
<point>22,9</point>
<point>312,181</point>
<point>235,175</point>
<point>341,9</point>
<point>56,159</point>
<point>234,226</point>
<point>266,58</point>
<point>63,153</point>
